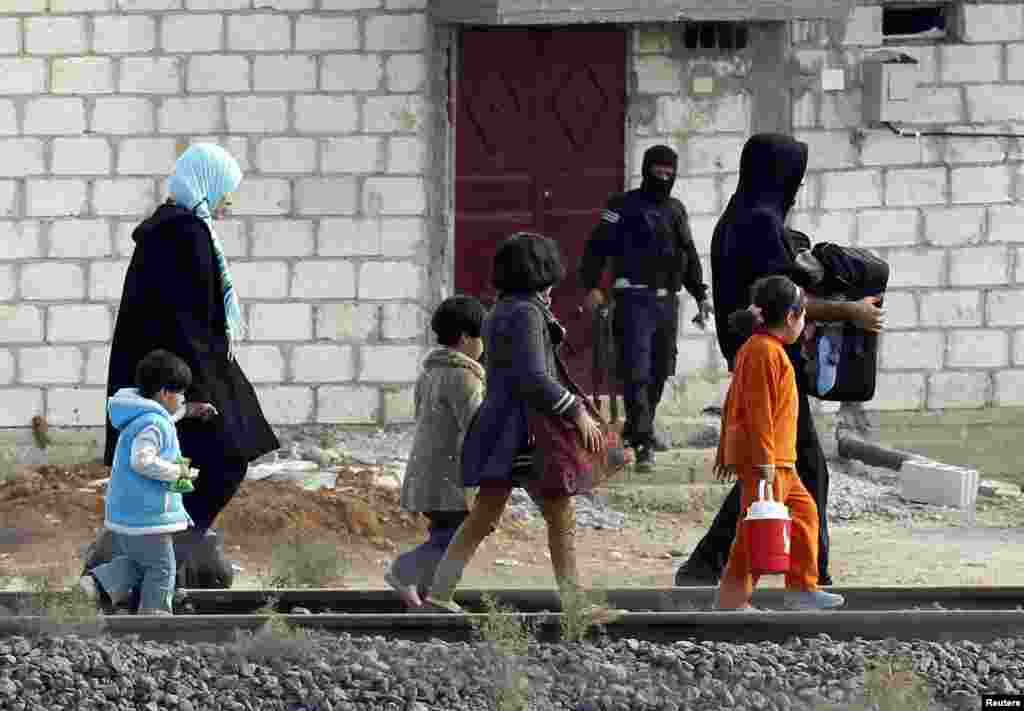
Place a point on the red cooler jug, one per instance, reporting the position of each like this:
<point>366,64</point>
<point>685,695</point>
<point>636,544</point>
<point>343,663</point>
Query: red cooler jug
<point>767,529</point>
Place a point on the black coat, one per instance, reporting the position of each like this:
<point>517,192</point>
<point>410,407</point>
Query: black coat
<point>173,299</point>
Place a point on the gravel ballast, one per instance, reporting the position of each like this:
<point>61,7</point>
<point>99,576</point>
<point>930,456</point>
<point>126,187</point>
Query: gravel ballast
<point>342,673</point>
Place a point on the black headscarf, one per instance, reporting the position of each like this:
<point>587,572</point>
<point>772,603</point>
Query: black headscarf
<point>659,155</point>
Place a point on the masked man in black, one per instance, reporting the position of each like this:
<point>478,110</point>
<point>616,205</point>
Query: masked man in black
<point>644,235</point>
<point>750,242</point>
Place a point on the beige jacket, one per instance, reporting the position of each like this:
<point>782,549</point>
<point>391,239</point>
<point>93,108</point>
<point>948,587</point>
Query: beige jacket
<point>448,392</point>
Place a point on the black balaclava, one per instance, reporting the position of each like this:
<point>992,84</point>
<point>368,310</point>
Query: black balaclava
<point>660,155</point>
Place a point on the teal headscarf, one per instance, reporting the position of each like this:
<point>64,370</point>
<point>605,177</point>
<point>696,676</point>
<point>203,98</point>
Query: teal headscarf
<point>203,175</point>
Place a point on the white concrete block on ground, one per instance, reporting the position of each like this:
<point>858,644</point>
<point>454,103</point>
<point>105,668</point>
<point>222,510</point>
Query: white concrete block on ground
<point>939,484</point>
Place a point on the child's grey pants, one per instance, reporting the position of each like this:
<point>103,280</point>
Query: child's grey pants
<point>146,562</point>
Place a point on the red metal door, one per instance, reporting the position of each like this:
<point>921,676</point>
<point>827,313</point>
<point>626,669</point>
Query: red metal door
<point>540,145</point>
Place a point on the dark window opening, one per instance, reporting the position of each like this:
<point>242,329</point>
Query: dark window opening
<point>715,35</point>
<point>923,22</point>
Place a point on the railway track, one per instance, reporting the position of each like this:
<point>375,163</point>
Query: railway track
<point>657,615</point>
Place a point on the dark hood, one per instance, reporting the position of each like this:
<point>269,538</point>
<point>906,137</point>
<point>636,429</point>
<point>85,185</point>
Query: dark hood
<point>661,155</point>
<point>164,215</point>
<point>772,166</point>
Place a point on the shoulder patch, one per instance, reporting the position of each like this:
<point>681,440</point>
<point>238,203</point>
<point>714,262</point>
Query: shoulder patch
<point>610,216</point>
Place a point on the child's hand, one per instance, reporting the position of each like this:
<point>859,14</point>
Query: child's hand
<point>193,474</point>
<point>200,410</point>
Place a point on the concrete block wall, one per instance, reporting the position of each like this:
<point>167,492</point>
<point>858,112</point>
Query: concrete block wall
<point>324,104</point>
<point>945,212</point>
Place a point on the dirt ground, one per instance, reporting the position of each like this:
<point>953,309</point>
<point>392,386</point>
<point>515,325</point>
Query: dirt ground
<point>50,513</point>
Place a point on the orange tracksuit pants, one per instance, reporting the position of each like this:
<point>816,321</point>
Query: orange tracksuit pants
<point>738,581</point>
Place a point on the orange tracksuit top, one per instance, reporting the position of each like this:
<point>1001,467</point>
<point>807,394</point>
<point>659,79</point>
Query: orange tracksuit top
<point>761,408</point>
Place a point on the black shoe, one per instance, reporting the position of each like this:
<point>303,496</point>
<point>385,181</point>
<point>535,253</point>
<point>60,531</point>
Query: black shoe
<point>644,457</point>
<point>693,576</point>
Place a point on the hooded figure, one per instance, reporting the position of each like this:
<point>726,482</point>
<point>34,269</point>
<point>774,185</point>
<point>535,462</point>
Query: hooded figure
<point>178,295</point>
<point>644,236</point>
<point>750,242</point>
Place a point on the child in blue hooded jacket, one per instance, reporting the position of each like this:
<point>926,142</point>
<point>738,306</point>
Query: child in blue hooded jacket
<point>144,502</point>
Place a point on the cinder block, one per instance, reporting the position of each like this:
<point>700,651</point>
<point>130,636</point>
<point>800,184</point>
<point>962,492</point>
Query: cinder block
<point>347,322</point>
<point>76,407</point>
<point>916,267</point>
<point>326,196</point>
<point>8,118</point>
<point>256,114</point>
<point>53,116</point>
<point>261,364</point>
<point>218,73</point>
<point>405,4</point>
<point>286,155</point>
<point>886,149</point>
<point>703,226</point>
<point>233,237</point>
<point>52,281</point>
<point>83,75</point>
<point>1015,62</point>
<point>399,404</point>
<point>699,195</point>
<point>78,323</point>
<point>124,196</point>
<point>284,73</point>
<point>898,391</point>
<point>975,150</point>
<point>912,350</point>
<point>263,196</point>
<point>394,196</point>
<point>81,156</point>
<point>977,349</point>
<point>8,198</point>
<point>19,240</point>
<point>146,156</point>
<point>324,33</point>
<point>97,365</point>
<point>123,34</point>
<point>182,34</point>
<point>6,367</point>
<point>8,282</point>
<point>21,324</point>
<point>981,184</point>
<point>326,114</point>
<point>1006,223</point>
<point>56,198</point>
<point>199,114</point>
<point>324,279</point>
<point>21,157</point>
<point>991,103</point>
<point>963,63</point>
<point>259,33</point>
<point>10,36</point>
<point>729,114</point>
<point>864,26</point>
<point>349,237</point>
<point>351,72</point>
<point>151,75</point>
<point>152,5</point>
<point>396,33</point>
<point>323,363</point>
<point>50,365</point>
<point>915,186</point>
<point>406,72</point>
<point>841,109</point>
<point>122,116</point>
<point>393,114</point>
<point>986,266</point>
<point>76,6</point>
<point>1009,388</point>
<point>55,35</point>
<point>280,322</point>
<point>284,5</point>
<point>851,189</point>
<point>705,154</point>
<point>282,238</point>
<point>20,405</point>
<point>992,23</point>
<point>390,280</point>
<point>951,308</point>
<point>658,74</point>
<point>951,390</point>
<point>389,364</point>
<point>218,5</point>
<point>403,321</point>
<point>22,76</point>
<point>78,239</point>
<point>286,404</point>
<point>1005,307</point>
<point>805,109</point>
<point>346,404</point>
<point>260,280</point>
<point>352,154</point>
<point>887,228</point>
<point>954,226</point>
<point>900,309</point>
<point>106,280</point>
<point>939,484</point>
<point>939,104</point>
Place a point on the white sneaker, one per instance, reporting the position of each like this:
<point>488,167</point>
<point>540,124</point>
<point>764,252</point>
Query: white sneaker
<point>817,600</point>
<point>87,584</point>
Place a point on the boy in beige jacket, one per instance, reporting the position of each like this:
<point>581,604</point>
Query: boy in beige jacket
<point>448,393</point>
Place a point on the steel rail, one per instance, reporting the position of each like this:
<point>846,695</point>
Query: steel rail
<point>737,627</point>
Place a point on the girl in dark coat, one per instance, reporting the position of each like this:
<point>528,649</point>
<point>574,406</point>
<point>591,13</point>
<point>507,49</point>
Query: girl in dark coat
<point>521,374</point>
<point>178,296</point>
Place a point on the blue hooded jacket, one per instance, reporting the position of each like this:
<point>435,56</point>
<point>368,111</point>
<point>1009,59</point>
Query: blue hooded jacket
<point>135,504</point>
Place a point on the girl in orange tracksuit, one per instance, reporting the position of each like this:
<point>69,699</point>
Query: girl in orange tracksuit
<point>758,442</point>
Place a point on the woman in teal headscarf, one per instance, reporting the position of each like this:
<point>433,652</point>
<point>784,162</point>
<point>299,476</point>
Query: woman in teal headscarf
<point>178,295</point>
